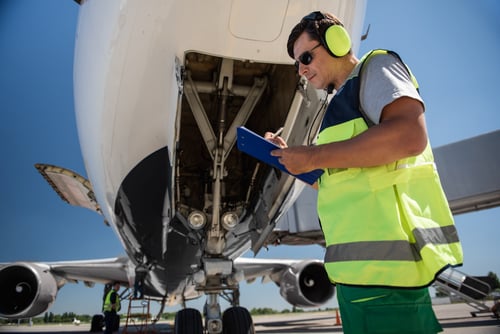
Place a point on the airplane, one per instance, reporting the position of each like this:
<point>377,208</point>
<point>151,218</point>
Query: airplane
<point>160,89</point>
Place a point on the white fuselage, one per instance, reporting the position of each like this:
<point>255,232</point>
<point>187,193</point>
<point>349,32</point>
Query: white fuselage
<point>126,85</point>
<point>129,85</point>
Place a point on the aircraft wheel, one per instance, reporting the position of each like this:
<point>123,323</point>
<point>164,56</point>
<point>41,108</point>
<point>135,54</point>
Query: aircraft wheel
<point>188,321</point>
<point>237,320</point>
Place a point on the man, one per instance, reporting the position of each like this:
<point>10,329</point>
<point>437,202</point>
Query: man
<point>141,272</point>
<point>386,222</point>
<point>110,308</point>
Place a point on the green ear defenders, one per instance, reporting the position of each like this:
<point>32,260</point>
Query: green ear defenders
<point>334,38</point>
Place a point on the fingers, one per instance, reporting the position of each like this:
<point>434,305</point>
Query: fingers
<point>268,135</point>
<point>276,153</point>
<point>277,141</point>
<point>274,139</point>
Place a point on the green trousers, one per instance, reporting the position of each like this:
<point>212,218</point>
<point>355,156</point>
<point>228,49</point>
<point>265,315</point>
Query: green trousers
<point>374,310</point>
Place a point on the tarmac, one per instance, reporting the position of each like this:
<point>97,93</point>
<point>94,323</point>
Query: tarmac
<point>454,318</point>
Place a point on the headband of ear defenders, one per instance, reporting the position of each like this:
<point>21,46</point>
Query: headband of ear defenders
<point>334,38</point>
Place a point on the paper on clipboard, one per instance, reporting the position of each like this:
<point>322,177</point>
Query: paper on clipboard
<point>260,148</point>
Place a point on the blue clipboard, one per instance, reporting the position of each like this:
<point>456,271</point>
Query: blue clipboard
<point>260,148</point>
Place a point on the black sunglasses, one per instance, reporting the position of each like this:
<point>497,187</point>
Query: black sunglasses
<point>305,58</point>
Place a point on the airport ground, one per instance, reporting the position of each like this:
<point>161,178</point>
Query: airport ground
<point>454,318</point>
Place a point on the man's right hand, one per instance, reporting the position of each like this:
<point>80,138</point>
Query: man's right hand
<point>275,139</point>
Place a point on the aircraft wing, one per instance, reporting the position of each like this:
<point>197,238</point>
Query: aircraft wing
<point>302,283</point>
<point>267,269</point>
<point>95,271</point>
<point>30,288</point>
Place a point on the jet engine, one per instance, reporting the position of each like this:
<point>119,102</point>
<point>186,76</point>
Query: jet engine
<point>306,284</point>
<point>26,290</point>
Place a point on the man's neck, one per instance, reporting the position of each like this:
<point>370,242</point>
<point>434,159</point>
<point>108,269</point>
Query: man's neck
<point>346,66</point>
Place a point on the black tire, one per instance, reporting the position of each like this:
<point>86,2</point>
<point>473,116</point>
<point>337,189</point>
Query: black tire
<point>237,320</point>
<point>97,323</point>
<point>188,321</point>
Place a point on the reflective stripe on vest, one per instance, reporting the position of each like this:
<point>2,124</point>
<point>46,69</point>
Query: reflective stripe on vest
<point>397,250</point>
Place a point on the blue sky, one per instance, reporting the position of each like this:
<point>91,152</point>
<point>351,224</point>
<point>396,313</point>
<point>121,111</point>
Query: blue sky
<point>450,45</point>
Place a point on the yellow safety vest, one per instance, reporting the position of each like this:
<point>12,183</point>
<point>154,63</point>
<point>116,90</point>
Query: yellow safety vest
<point>107,302</point>
<point>388,225</point>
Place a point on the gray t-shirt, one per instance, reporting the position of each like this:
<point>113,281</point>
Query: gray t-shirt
<point>384,79</point>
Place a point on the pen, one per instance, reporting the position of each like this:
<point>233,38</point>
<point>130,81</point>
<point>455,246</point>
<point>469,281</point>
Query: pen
<point>277,133</point>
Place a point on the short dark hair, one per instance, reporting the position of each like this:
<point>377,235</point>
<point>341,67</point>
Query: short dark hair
<point>314,27</point>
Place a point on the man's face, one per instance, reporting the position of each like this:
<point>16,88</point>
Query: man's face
<point>117,287</point>
<point>311,60</point>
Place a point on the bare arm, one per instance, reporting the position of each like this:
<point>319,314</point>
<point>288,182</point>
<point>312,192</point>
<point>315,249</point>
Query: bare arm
<point>400,134</point>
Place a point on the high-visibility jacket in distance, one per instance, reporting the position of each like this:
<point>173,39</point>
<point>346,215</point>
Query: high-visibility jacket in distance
<point>107,301</point>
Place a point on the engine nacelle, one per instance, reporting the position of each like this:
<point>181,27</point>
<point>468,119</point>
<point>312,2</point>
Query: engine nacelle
<point>306,284</point>
<point>26,290</point>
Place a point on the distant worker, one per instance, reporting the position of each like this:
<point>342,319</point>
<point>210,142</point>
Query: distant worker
<point>141,271</point>
<point>386,221</point>
<point>111,307</point>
